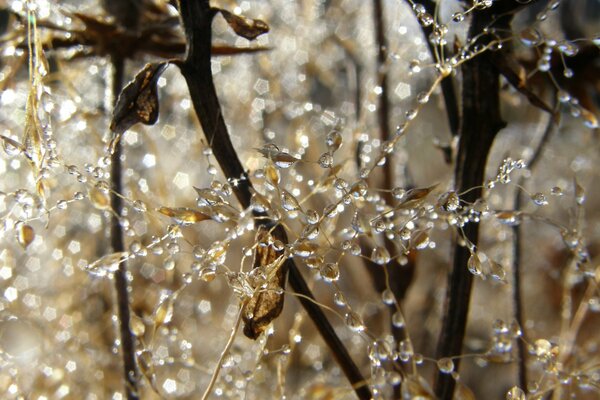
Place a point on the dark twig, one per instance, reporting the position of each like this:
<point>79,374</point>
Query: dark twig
<point>117,242</point>
<point>517,259</point>
<point>447,85</point>
<point>197,17</point>
<point>398,277</point>
<point>116,233</point>
<point>480,123</point>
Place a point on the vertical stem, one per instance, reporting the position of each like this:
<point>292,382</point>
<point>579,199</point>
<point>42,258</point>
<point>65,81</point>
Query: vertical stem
<point>517,259</point>
<point>447,84</point>
<point>117,242</point>
<point>481,121</point>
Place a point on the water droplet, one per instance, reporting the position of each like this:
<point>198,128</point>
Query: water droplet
<point>458,17</point>
<point>511,218</point>
<point>354,322</point>
<point>579,193</point>
<point>208,273</point>
<point>414,66</point>
<point>380,255</point>
<point>339,299</point>
<point>310,232</point>
<point>556,191</point>
<point>542,348</point>
<point>398,319</point>
<point>449,201</point>
<point>326,160</point>
<point>288,201</point>
<point>497,271</point>
<point>312,217</point>
<point>474,265</point>
<point>334,141</point>
<point>137,325</point>
<point>387,297</point>
<point>516,393</point>
<point>539,199</point>
<point>423,97</point>
<point>330,272</point>
<point>445,365</point>
<point>530,37</point>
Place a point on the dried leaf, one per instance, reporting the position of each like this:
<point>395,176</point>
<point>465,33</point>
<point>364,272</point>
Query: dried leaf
<point>515,74</point>
<point>415,197</point>
<point>138,102</point>
<point>267,302</point>
<point>25,235</point>
<point>183,215</point>
<point>245,27</point>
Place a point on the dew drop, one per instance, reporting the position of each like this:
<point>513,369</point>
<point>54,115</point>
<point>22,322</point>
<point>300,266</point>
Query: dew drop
<point>515,393</point>
<point>458,17</point>
<point>339,299</point>
<point>530,37</point>
<point>387,297</point>
<point>445,365</point>
<point>330,272</point>
<point>380,255</point>
<point>398,319</point>
<point>326,160</point>
<point>539,199</point>
<point>474,265</point>
<point>354,322</point>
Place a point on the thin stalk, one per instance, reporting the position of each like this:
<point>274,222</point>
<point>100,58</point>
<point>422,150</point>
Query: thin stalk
<point>517,260</point>
<point>447,85</point>
<point>197,18</point>
<point>480,123</point>
<point>398,277</point>
<point>117,242</point>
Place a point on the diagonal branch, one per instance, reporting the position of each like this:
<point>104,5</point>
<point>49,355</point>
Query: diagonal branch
<point>197,17</point>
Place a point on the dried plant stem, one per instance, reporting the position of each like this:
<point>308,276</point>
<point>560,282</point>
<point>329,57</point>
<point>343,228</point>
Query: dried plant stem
<point>224,353</point>
<point>517,260</point>
<point>117,242</point>
<point>480,123</point>
<point>447,84</point>
<point>392,276</point>
<point>197,18</point>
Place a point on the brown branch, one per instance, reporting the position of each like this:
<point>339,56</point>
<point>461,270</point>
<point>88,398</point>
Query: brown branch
<point>197,17</point>
<point>116,233</point>
<point>480,123</point>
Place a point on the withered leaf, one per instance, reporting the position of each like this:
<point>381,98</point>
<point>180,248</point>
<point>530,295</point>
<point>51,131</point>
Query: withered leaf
<point>25,235</point>
<point>267,303</point>
<point>245,27</point>
<point>414,197</point>
<point>138,102</point>
<point>516,75</point>
<point>184,215</point>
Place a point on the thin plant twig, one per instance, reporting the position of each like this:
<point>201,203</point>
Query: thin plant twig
<point>224,353</point>
<point>517,260</point>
